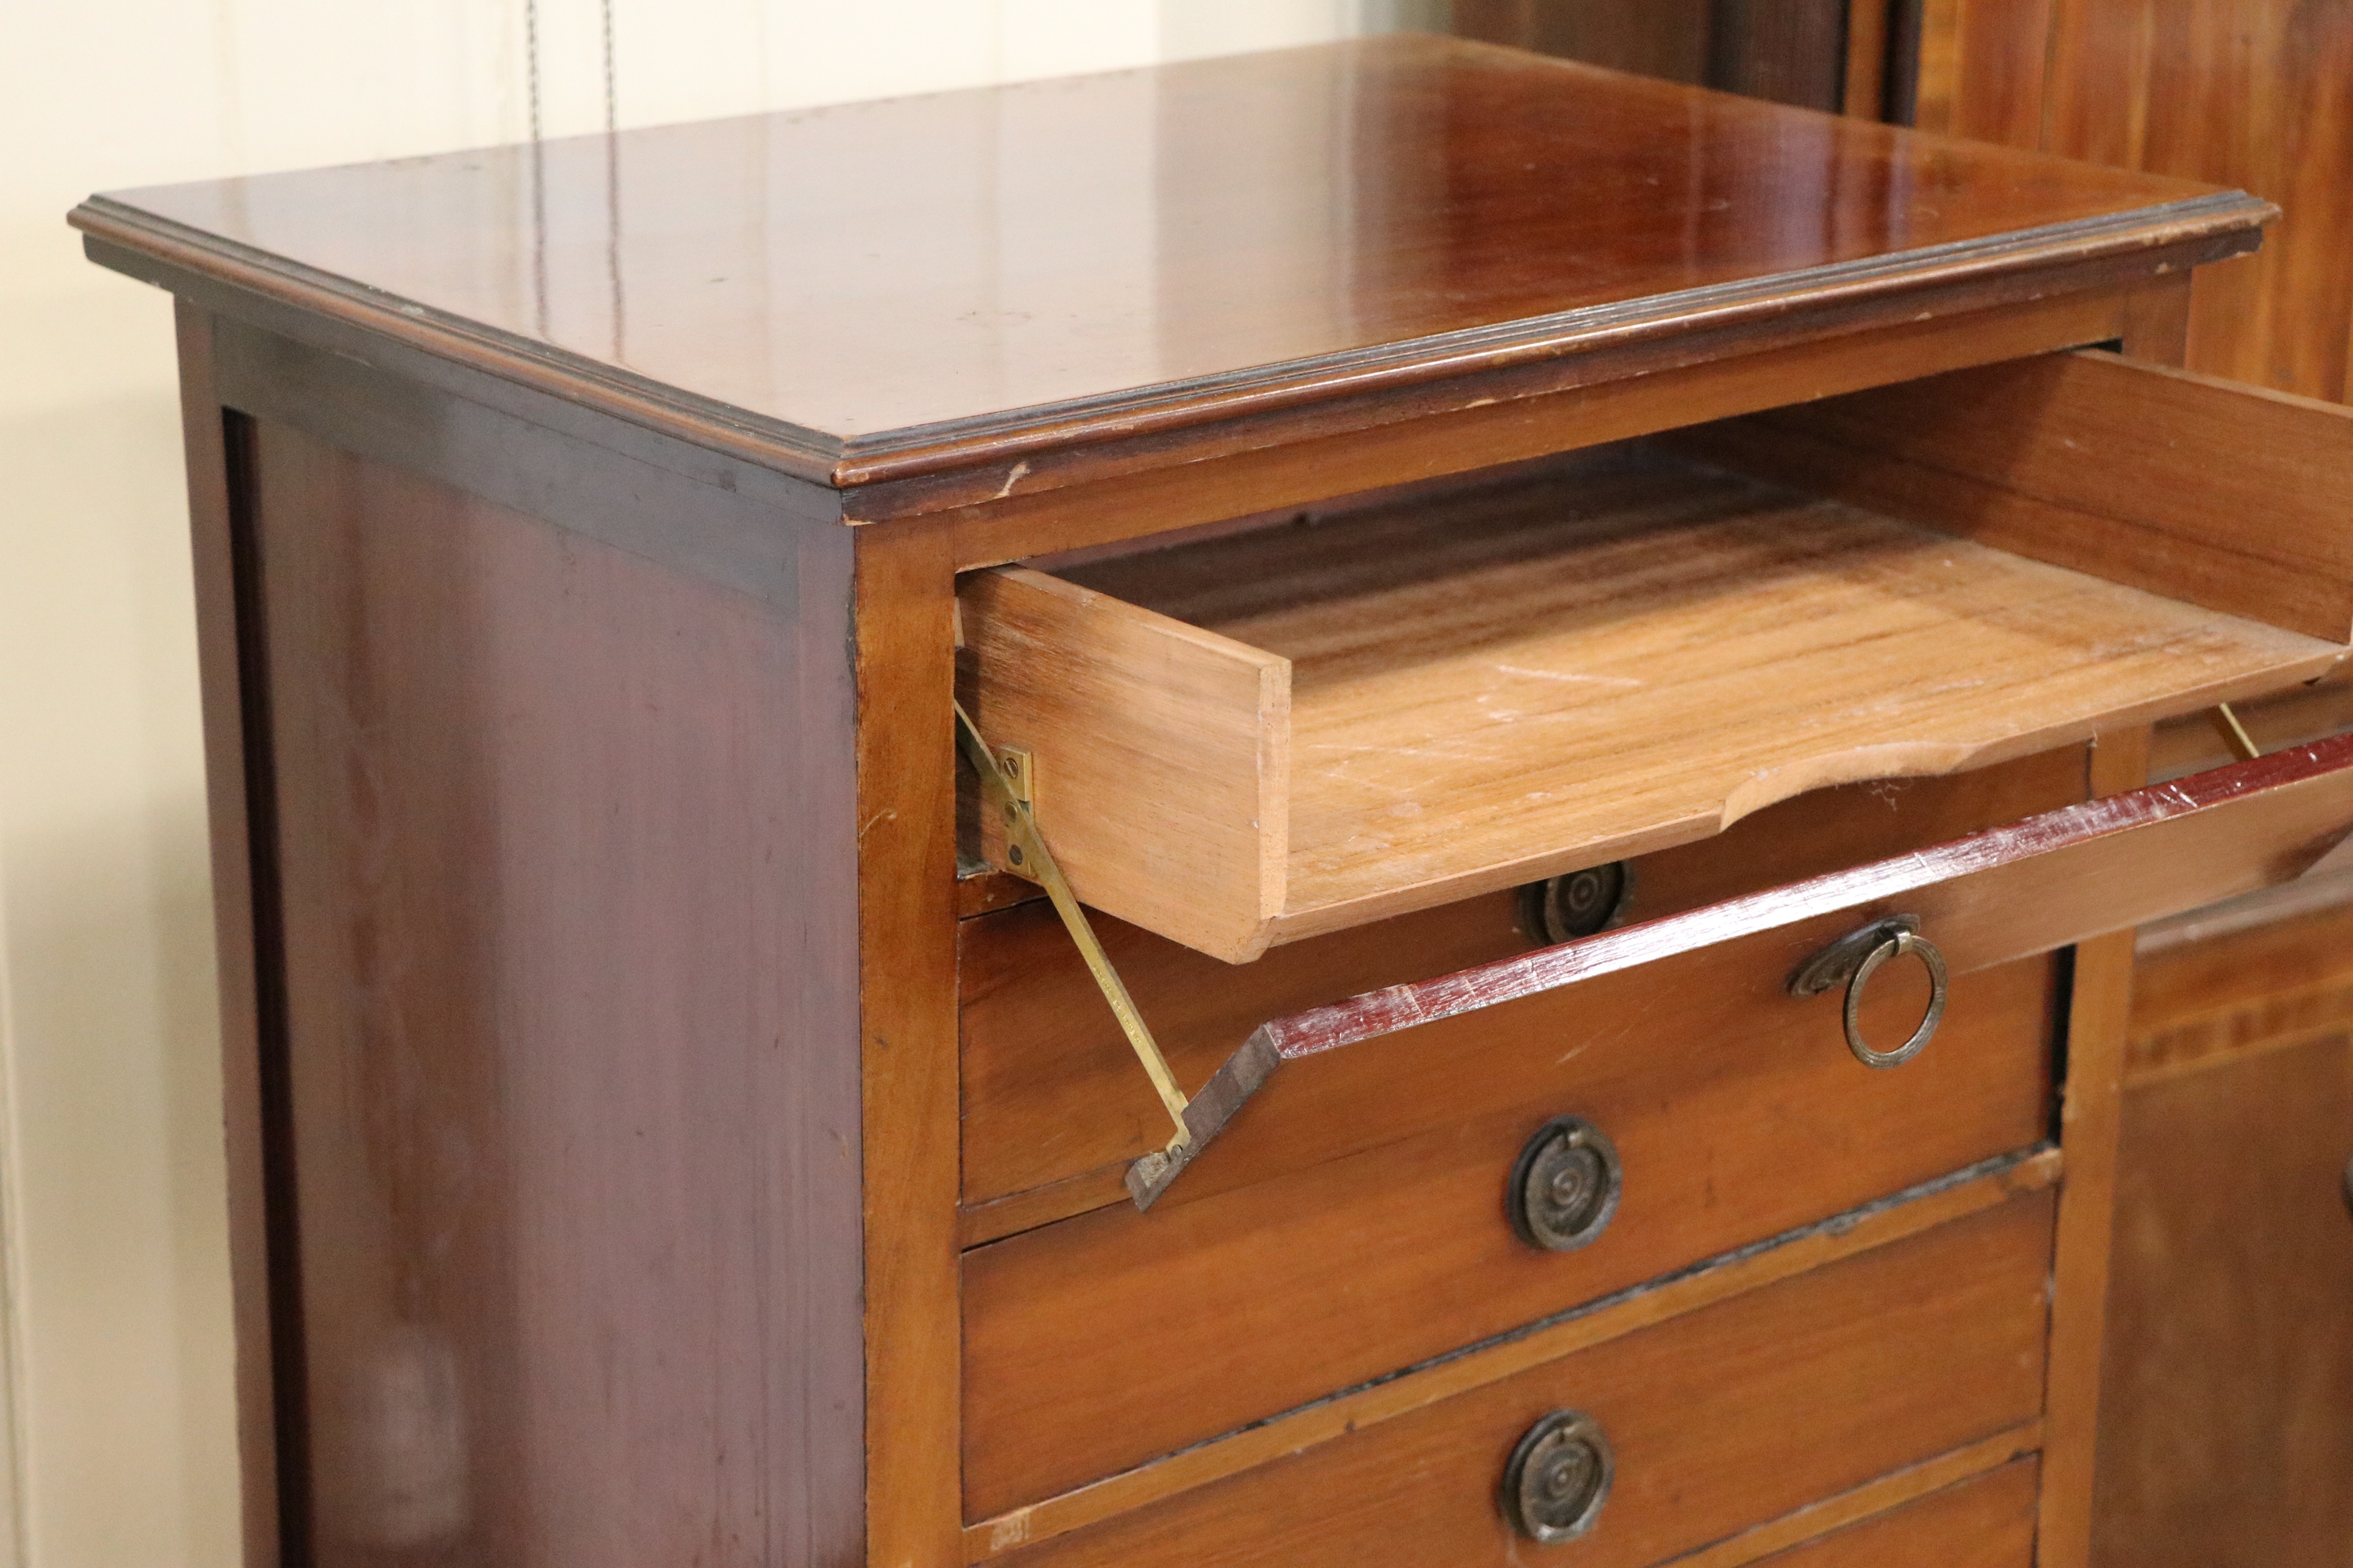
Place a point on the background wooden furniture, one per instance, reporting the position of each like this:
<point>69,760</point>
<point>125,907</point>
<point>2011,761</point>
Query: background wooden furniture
<point>2253,93</point>
<point>2227,1406</point>
<point>2226,1419</point>
<point>2256,94</point>
<point>1790,51</point>
<point>2229,1414</point>
<point>581,594</point>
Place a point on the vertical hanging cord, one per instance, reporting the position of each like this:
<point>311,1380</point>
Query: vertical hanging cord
<point>612,113</point>
<point>530,60</point>
<point>538,168</point>
<point>613,189</point>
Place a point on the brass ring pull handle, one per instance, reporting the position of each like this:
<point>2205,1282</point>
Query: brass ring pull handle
<point>1855,959</point>
<point>1897,946</point>
<point>1558,1478</point>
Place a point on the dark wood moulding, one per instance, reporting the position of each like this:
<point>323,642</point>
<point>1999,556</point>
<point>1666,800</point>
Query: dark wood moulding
<point>1382,259</point>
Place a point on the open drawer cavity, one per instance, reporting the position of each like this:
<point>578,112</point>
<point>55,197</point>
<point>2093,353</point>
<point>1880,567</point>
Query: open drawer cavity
<point>1295,727</point>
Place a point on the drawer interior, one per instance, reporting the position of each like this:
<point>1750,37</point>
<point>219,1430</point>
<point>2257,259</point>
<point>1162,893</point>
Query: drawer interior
<point>1301,726</point>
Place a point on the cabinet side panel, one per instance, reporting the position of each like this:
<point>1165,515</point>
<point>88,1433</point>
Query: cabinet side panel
<point>207,431</point>
<point>567,873</point>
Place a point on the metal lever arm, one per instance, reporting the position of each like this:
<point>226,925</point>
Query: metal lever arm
<point>2233,733</point>
<point>1037,863</point>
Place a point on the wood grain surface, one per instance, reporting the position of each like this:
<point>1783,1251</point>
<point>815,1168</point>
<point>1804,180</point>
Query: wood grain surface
<point>904,842</point>
<point>236,795</point>
<point>1716,1417</point>
<point>2227,1399</point>
<point>1721,1279</point>
<point>1665,38</point>
<point>2205,1004</point>
<point>576,1243</point>
<point>1984,1523</point>
<point>2097,462</point>
<point>1981,69</point>
<point>2067,875</point>
<point>1055,1107</point>
<point>1373,212</point>
<point>1748,1124</point>
<point>2255,93</point>
<point>2098,1010</point>
<point>1086,496</point>
<point>1862,86</point>
<point>1787,52</point>
<point>1117,704</point>
<point>2251,93</point>
<point>1533,677</point>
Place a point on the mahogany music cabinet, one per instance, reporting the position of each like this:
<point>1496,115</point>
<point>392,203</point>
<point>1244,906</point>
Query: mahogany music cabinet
<point>1588,645</point>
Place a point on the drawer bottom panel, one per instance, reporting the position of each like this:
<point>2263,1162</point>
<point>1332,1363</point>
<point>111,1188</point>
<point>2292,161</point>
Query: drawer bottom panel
<point>1718,1421</point>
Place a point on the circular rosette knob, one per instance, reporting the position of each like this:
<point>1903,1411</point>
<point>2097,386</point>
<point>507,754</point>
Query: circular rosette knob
<point>1558,1478</point>
<point>1565,1185</point>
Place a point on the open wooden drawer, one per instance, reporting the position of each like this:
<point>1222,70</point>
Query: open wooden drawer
<point>1287,729</point>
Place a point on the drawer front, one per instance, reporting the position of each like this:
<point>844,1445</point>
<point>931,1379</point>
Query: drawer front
<point>1987,1522</point>
<point>1371,1090</point>
<point>1719,1421</point>
<point>2012,892</point>
<point>1727,1129</point>
<point>1052,1097</point>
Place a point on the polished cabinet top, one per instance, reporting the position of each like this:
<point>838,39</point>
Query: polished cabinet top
<point>1058,260</point>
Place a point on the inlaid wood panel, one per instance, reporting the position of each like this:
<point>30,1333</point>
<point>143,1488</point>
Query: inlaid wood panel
<point>2227,1404</point>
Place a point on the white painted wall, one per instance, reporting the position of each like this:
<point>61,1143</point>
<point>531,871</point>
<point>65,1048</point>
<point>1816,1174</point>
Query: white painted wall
<point>115,1439</point>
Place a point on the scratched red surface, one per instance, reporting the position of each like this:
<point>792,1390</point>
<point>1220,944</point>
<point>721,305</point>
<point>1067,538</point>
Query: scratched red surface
<point>2313,790</point>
